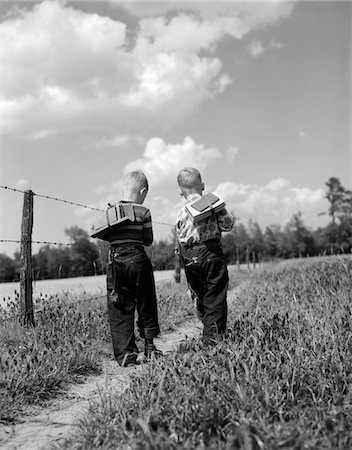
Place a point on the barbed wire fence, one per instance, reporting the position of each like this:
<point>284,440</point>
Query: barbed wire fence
<point>27,310</point>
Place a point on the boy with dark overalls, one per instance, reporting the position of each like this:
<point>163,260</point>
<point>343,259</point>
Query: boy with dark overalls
<point>130,278</point>
<point>203,259</point>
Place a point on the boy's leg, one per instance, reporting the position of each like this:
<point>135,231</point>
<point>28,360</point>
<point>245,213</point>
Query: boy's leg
<point>121,319</point>
<point>147,307</point>
<point>195,283</point>
<point>214,300</point>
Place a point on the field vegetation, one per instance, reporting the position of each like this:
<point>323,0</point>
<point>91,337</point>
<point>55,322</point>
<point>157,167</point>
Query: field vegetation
<point>69,341</point>
<point>281,379</point>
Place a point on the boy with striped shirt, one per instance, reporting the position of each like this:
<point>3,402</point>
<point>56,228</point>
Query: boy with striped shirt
<point>130,278</point>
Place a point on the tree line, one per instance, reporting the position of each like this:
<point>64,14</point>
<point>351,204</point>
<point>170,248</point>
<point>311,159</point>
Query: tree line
<point>244,244</point>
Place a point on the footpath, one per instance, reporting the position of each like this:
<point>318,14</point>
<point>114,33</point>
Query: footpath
<point>45,426</point>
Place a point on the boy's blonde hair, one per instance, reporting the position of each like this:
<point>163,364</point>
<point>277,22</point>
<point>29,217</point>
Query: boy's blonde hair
<point>189,177</point>
<point>137,178</point>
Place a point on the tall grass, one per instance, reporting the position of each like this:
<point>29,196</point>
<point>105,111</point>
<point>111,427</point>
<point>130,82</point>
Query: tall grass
<point>281,379</point>
<point>69,340</point>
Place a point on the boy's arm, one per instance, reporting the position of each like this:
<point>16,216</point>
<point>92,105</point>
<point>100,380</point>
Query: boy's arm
<point>225,220</point>
<point>147,229</point>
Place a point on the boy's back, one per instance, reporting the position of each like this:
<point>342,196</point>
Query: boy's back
<point>204,262</point>
<point>130,278</point>
<point>138,231</point>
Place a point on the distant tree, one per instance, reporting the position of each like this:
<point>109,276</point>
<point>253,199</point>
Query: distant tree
<point>163,255</point>
<point>241,241</point>
<point>340,199</point>
<point>84,255</point>
<point>272,239</point>
<point>229,247</point>
<point>7,268</point>
<point>51,263</point>
<point>257,239</point>
<point>338,234</point>
<point>299,239</point>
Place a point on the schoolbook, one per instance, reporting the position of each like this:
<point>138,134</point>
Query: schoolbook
<point>113,217</point>
<point>204,207</point>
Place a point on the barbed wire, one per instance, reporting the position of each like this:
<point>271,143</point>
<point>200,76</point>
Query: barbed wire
<point>52,198</point>
<point>12,189</point>
<point>34,242</point>
<point>70,203</point>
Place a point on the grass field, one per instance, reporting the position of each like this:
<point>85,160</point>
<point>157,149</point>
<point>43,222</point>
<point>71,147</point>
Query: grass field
<point>69,340</point>
<point>282,378</point>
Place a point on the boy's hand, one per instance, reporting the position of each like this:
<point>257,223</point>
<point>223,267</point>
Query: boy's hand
<point>149,251</point>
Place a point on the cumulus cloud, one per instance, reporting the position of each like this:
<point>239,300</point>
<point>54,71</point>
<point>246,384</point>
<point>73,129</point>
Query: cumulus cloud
<point>249,14</point>
<point>162,161</point>
<point>70,70</point>
<point>273,203</point>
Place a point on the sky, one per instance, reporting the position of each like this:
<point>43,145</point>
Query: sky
<point>256,95</point>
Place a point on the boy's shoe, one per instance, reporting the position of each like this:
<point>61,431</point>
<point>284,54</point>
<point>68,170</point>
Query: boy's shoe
<point>150,350</point>
<point>132,364</point>
<point>129,360</point>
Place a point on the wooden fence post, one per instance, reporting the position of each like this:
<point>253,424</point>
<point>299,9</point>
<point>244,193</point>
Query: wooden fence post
<point>26,288</point>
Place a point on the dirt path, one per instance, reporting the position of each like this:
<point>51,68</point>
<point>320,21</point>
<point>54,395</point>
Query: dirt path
<point>46,426</point>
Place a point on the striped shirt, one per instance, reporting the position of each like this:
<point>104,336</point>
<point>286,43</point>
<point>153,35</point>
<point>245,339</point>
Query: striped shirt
<point>139,231</point>
<point>208,228</point>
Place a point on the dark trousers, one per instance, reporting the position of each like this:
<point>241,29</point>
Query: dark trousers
<point>207,277</point>
<point>130,286</point>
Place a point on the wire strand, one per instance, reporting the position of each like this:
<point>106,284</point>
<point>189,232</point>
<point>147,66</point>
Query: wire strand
<point>69,202</point>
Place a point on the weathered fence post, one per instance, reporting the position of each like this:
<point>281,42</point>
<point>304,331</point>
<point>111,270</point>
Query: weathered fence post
<point>26,276</point>
<point>177,261</point>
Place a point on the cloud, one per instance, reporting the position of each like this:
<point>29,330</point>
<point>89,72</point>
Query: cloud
<point>72,70</point>
<point>273,203</point>
<point>231,154</point>
<point>256,48</point>
<point>115,141</point>
<point>249,15</point>
<point>162,161</point>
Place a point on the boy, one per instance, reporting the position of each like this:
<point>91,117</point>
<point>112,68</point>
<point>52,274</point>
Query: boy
<point>204,262</point>
<point>130,278</point>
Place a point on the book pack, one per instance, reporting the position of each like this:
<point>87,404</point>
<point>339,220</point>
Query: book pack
<point>204,207</point>
<point>113,217</point>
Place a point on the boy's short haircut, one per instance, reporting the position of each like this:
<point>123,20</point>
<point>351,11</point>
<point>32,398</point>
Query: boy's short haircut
<point>189,177</point>
<point>137,176</point>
